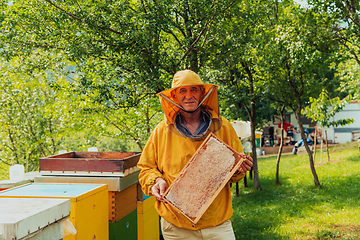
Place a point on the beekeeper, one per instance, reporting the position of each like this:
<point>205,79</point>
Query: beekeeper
<point>191,111</point>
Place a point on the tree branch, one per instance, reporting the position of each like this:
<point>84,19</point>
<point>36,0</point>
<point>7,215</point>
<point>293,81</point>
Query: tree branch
<point>135,138</point>
<point>80,19</point>
<point>188,49</point>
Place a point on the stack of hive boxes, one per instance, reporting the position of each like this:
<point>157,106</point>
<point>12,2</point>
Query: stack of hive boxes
<point>122,213</point>
<point>130,214</point>
<point>148,219</point>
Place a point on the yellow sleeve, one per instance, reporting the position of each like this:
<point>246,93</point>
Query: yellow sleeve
<point>148,167</point>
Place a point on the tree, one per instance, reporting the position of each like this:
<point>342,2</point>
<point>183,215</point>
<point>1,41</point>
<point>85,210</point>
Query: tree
<point>300,52</point>
<point>138,44</point>
<point>235,63</point>
<point>277,180</point>
<point>105,119</point>
<point>124,52</point>
<point>347,29</point>
<point>348,73</point>
<point>346,13</point>
<point>29,128</point>
<point>323,109</point>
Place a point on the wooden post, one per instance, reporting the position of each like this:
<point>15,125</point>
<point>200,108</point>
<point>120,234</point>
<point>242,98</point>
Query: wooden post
<point>321,139</point>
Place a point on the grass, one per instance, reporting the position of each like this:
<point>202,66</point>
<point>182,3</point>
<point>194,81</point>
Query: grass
<point>296,209</point>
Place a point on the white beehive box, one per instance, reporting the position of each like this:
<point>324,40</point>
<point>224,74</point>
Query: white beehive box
<point>21,217</point>
<point>242,128</point>
<point>115,184</point>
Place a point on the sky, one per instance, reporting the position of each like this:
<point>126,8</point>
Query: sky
<point>303,3</point>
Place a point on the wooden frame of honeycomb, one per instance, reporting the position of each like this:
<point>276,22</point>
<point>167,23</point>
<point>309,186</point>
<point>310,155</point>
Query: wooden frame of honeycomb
<point>202,178</point>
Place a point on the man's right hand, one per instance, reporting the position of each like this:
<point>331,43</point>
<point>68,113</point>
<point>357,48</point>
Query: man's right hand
<point>159,188</point>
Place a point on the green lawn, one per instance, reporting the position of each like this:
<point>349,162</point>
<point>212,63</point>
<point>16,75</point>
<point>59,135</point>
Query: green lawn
<point>296,209</point>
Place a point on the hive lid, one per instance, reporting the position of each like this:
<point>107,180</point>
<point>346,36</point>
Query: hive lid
<point>202,178</point>
<point>20,217</point>
<point>75,192</point>
<point>105,164</point>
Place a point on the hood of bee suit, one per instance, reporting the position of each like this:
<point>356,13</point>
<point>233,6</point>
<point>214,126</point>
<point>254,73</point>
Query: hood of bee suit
<point>209,102</point>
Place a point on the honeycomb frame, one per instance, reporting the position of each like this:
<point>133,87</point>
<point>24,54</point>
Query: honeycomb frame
<point>214,186</point>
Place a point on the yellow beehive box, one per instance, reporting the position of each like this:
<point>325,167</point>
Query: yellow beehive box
<point>258,134</point>
<point>88,205</point>
<point>148,220</point>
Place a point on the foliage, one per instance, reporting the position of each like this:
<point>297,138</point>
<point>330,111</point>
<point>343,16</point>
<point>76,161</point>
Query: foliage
<point>346,13</point>
<point>349,74</point>
<point>297,210</point>
<point>40,114</point>
<point>29,123</point>
<point>238,51</point>
<point>300,50</point>
<point>106,120</point>
<point>298,57</point>
<point>323,109</point>
<point>83,141</point>
<point>133,47</point>
<point>123,52</point>
<point>236,64</point>
<point>4,171</point>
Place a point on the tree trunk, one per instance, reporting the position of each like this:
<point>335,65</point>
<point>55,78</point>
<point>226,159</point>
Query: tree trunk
<point>277,181</point>
<point>315,137</point>
<point>252,114</point>
<point>327,146</point>
<point>312,166</point>
<point>321,148</point>
<point>253,144</point>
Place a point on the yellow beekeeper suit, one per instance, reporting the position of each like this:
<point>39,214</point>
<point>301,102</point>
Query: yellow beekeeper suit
<point>167,152</point>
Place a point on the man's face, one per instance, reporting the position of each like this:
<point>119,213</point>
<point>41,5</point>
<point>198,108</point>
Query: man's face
<point>189,96</point>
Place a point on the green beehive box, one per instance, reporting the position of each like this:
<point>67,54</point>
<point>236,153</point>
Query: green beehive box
<point>125,228</point>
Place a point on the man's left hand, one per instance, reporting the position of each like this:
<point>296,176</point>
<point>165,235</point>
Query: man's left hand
<point>247,164</point>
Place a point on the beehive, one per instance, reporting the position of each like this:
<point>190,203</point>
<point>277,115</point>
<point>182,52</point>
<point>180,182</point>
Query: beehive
<point>147,220</point>
<point>88,205</point>
<point>201,180</point>
<point>111,164</point>
<point>125,228</point>
<point>23,218</point>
